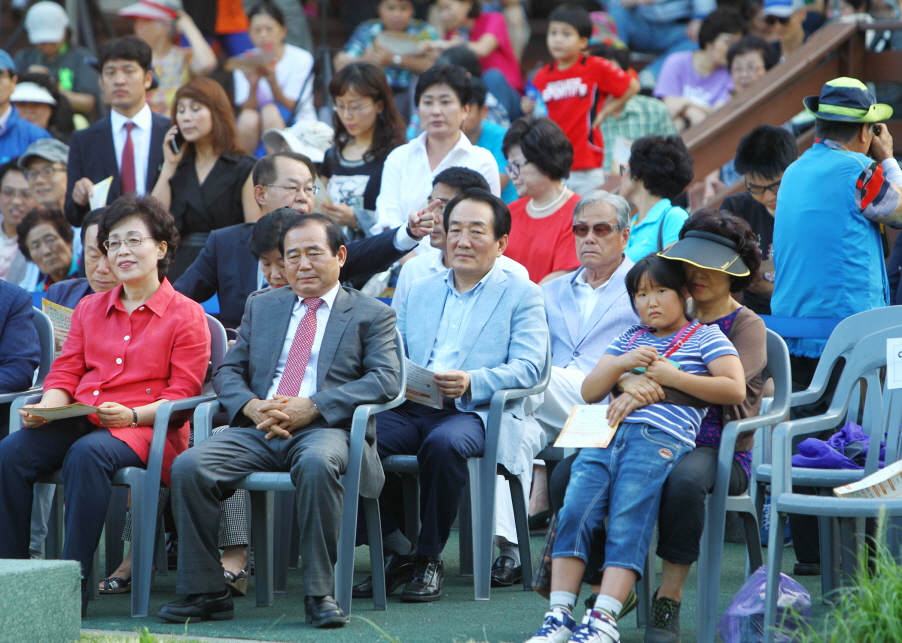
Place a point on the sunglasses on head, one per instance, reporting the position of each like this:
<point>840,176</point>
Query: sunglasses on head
<point>772,20</point>
<point>599,229</point>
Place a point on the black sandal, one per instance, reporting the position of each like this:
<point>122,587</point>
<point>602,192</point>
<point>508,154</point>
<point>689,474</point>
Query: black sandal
<point>236,582</point>
<point>115,585</point>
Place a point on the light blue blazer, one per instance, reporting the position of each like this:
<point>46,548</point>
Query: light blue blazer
<point>612,315</point>
<point>503,347</point>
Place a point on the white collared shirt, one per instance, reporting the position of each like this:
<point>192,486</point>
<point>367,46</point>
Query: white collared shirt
<point>308,385</point>
<point>587,297</point>
<point>407,178</point>
<point>141,134</point>
<point>456,312</point>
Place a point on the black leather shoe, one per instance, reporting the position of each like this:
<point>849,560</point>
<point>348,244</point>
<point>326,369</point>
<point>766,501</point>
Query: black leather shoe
<point>398,572</point>
<point>215,606</point>
<point>504,574</point>
<point>323,611</point>
<point>426,584</point>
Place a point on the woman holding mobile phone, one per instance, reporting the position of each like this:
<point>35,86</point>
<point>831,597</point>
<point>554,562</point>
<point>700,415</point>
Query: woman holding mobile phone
<point>206,179</point>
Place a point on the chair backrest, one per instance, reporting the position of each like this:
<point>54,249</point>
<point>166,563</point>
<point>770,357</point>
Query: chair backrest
<point>778,370</point>
<point>45,334</point>
<point>218,342</point>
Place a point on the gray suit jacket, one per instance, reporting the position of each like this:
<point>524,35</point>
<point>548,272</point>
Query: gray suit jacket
<point>358,364</point>
<point>611,317</point>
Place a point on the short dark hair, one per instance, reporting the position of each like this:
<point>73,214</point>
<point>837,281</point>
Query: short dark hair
<point>478,92</point>
<point>462,56</point>
<point>127,48</point>
<point>334,236</point>
<point>839,131</point>
<point>157,219</point>
<point>460,179</point>
<point>11,165</point>
<point>543,143</point>
<point>766,151</point>
<point>664,272</point>
<point>724,20</point>
<point>265,168</point>
<point>267,8</point>
<point>619,55</point>
<point>268,231</point>
<point>92,218</point>
<point>451,75</point>
<point>574,15</point>
<point>501,215</point>
<point>727,225</point>
<point>663,164</point>
<point>37,216</point>
<point>750,43</point>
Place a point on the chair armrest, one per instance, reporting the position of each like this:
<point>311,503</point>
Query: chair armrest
<point>161,428</point>
<point>28,397</point>
<point>203,420</point>
<point>9,398</point>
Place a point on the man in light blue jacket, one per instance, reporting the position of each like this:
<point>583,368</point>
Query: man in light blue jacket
<point>479,329</point>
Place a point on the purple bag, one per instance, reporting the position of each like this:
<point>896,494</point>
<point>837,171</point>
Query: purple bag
<point>846,449</point>
<point>743,621</point>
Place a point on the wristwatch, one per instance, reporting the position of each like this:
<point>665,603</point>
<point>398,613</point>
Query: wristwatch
<point>396,60</point>
<point>134,423</point>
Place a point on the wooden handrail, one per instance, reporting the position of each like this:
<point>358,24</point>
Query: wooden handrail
<point>833,51</point>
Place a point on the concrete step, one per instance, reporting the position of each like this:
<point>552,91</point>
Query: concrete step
<point>41,601</point>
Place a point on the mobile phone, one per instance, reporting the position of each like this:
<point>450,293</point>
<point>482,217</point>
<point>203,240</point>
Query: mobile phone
<point>175,143</point>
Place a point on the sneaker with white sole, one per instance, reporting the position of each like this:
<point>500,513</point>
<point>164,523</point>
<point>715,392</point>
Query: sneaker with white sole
<point>598,626</point>
<point>556,627</point>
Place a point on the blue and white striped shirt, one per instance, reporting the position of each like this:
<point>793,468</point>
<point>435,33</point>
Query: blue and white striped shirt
<point>705,345</point>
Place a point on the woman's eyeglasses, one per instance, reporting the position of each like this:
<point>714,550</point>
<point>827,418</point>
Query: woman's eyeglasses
<point>112,245</point>
<point>599,229</point>
<point>513,168</point>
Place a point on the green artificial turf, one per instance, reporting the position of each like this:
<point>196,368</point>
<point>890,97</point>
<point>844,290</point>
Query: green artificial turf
<point>512,615</point>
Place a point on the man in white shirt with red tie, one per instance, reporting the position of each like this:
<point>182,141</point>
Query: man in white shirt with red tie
<point>306,357</point>
<point>126,145</point>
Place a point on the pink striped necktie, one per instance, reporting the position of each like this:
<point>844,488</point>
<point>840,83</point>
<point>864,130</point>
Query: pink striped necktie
<point>299,354</point>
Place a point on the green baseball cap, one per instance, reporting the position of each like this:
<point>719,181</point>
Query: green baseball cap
<point>849,100</point>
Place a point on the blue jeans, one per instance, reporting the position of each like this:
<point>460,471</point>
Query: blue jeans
<point>622,483</point>
<point>644,35</point>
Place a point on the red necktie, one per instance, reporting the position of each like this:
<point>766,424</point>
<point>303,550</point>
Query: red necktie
<point>299,354</point>
<point>127,170</point>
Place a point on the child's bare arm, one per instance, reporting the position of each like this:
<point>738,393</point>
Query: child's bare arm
<point>604,376</point>
<point>726,385</point>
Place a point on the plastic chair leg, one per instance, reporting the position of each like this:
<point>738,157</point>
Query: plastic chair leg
<point>522,521</point>
<point>145,503</point>
<point>262,509</point>
<point>283,519</point>
<point>344,568</point>
<point>645,590</point>
<point>753,541</point>
<point>482,502</point>
<point>377,562</point>
<point>774,565</point>
<point>115,522</point>
<point>465,530</point>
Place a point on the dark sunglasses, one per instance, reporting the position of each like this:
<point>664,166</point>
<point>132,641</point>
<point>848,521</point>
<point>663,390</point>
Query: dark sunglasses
<point>772,20</point>
<point>599,229</point>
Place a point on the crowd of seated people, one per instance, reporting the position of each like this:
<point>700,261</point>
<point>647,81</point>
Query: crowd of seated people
<point>134,187</point>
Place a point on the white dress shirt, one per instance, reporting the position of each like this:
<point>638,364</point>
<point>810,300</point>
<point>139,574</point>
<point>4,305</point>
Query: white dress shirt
<point>407,178</point>
<point>456,313</point>
<point>430,263</point>
<point>141,133</point>
<point>587,299</point>
<point>308,385</point>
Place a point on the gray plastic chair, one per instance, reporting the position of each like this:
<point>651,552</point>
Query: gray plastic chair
<point>44,327</point>
<point>864,362</point>
<point>719,502</point>
<point>477,508</point>
<point>262,485</point>
<point>143,482</point>
<point>840,342</point>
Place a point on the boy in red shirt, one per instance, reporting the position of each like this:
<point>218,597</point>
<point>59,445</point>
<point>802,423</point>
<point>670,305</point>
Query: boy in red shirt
<point>575,89</point>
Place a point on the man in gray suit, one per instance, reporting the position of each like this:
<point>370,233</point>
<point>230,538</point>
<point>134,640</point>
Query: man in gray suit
<point>305,358</point>
<point>479,329</point>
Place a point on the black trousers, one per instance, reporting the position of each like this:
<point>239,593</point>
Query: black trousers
<point>443,440</point>
<point>681,518</point>
<point>88,456</point>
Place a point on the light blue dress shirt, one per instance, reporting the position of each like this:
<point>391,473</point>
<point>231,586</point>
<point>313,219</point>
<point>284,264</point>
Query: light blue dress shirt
<point>455,319</point>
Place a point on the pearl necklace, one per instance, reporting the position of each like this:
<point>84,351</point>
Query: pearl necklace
<point>545,208</point>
